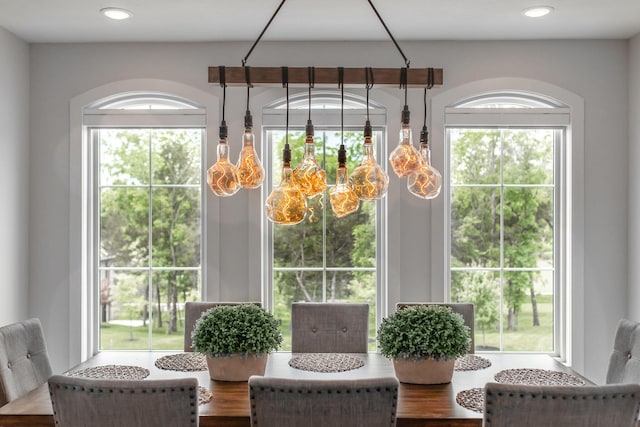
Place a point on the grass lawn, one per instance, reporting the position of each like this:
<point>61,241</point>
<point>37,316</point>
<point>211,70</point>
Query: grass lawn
<point>526,338</point>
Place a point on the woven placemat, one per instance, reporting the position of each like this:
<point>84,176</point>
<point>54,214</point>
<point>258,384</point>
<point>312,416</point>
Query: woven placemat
<point>472,399</point>
<point>204,395</point>
<point>326,362</point>
<point>111,372</point>
<point>471,362</point>
<point>184,362</point>
<point>537,377</point>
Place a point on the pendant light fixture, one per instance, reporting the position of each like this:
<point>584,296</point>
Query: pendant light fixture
<point>426,182</point>
<point>301,190</point>
<point>250,171</point>
<point>309,175</point>
<point>369,180</point>
<point>286,204</point>
<point>343,198</point>
<point>223,175</point>
<point>405,159</point>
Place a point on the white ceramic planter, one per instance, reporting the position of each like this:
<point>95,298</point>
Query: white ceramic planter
<point>424,371</point>
<point>236,367</point>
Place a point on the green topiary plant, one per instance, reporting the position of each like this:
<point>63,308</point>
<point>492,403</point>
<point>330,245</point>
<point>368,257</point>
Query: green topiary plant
<point>422,331</point>
<point>229,329</point>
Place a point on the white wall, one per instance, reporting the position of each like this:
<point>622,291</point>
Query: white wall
<point>14,176</point>
<point>594,70</point>
<point>634,178</point>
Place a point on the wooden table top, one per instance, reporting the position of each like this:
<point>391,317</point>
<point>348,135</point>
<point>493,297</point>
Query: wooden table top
<point>418,405</point>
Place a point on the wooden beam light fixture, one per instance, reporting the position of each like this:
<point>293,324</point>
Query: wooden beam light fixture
<point>405,155</point>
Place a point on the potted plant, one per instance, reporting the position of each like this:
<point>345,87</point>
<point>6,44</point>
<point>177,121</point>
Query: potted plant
<point>424,342</point>
<point>236,340</point>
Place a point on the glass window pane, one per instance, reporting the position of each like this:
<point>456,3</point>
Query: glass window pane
<point>528,234</point>
<point>475,227</point>
<point>124,156</point>
<point>176,227</point>
<point>351,240</point>
<point>124,304</point>
<point>301,245</point>
<point>528,313</point>
<point>482,289</point>
<point>475,156</point>
<point>528,156</point>
<point>124,227</point>
<point>171,289</point>
<point>355,287</point>
<point>175,156</point>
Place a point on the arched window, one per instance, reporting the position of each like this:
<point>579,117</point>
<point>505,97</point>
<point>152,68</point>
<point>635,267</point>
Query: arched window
<point>325,258</point>
<point>145,172</point>
<point>512,163</point>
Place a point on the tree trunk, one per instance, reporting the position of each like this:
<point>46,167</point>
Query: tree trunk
<point>159,304</point>
<point>534,307</point>
<point>174,303</point>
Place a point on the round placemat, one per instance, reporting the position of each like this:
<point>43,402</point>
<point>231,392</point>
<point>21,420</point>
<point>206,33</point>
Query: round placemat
<point>111,372</point>
<point>326,362</point>
<point>185,362</point>
<point>471,362</point>
<point>472,399</point>
<point>537,377</point>
<point>204,395</point>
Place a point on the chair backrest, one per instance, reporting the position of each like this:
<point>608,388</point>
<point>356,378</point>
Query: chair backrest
<point>80,402</point>
<point>329,327</point>
<point>624,362</point>
<point>193,311</point>
<point>511,405</point>
<point>286,402</point>
<point>462,308</point>
<point>24,361</point>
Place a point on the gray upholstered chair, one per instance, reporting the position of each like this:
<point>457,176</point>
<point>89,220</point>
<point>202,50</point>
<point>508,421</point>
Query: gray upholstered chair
<point>193,311</point>
<point>624,362</point>
<point>508,405</point>
<point>82,402</point>
<point>462,308</point>
<point>318,327</point>
<point>24,361</point>
<point>285,402</point>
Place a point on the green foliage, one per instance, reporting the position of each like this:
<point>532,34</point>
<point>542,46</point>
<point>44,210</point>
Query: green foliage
<point>246,328</point>
<point>424,332</point>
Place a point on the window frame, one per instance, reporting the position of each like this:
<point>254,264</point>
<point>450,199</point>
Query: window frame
<point>273,118</point>
<point>564,109</point>
<point>83,298</point>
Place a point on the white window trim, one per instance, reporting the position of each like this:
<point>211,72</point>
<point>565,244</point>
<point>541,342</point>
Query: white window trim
<point>83,317</point>
<point>572,329</point>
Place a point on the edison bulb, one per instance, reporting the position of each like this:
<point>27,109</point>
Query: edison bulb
<point>250,171</point>
<point>286,204</point>
<point>405,159</point>
<point>426,182</point>
<point>223,175</point>
<point>309,175</point>
<point>342,197</point>
<point>369,180</point>
<point>315,206</point>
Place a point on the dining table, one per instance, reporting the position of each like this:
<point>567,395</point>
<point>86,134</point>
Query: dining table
<point>418,405</point>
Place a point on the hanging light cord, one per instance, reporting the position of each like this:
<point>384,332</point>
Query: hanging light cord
<point>369,85</point>
<point>286,151</point>
<point>223,82</point>
<point>342,153</point>
<point>406,61</point>
<point>264,30</point>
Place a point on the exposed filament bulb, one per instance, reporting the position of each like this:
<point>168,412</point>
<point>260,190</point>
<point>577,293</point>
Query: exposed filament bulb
<point>369,180</point>
<point>223,175</point>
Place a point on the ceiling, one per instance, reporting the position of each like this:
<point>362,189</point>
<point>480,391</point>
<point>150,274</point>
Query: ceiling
<point>242,20</point>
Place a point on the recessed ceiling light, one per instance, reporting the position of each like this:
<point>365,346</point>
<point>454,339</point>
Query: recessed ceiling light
<point>116,13</point>
<point>537,11</point>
